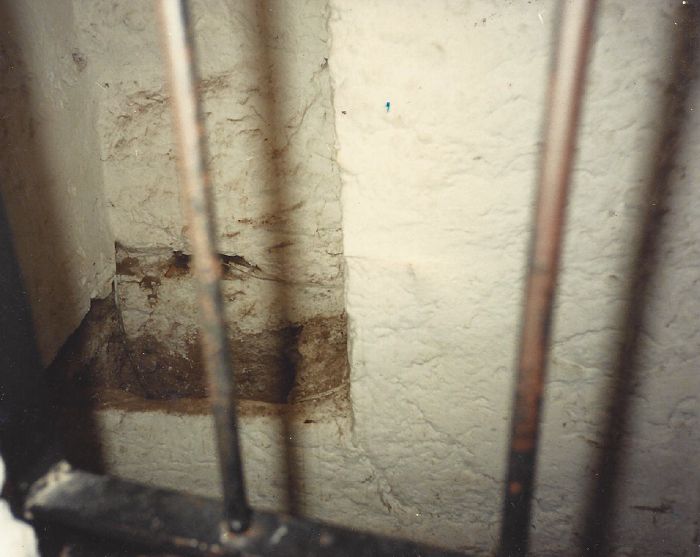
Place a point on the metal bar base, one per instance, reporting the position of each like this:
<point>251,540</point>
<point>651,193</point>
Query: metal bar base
<point>167,520</point>
<point>197,194</point>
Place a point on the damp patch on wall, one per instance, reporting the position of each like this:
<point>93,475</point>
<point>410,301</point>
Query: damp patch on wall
<point>276,359</point>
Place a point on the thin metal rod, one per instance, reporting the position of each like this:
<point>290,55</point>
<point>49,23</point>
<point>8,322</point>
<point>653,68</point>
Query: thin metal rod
<point>189,129</point>
<point>564,100</point>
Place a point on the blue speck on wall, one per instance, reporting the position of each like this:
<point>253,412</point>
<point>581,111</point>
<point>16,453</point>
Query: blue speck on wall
<point>388,105</point>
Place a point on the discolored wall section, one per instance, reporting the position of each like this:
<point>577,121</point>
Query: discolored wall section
<point>436,113</point>
<point>266,99</point>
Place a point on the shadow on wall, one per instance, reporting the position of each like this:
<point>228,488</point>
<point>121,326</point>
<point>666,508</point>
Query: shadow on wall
<point>276,163</point>
<point>30,234</point>
<point>37,243</point>
<point>45,175</point>
<point>603,491</point>
<point>274,231</point>
<point>37,218</point>
<point>37,271</point>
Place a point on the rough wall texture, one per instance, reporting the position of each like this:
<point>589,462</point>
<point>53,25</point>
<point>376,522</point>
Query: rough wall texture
<point>438,109</point>
<point>266,96</point>
<point>437,189</point>
<point>50,172</point>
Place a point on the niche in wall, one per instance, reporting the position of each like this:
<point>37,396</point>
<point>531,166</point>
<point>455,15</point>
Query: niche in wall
<point>267,102</point>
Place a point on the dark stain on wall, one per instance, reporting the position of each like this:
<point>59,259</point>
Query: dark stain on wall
<point>299,361</point>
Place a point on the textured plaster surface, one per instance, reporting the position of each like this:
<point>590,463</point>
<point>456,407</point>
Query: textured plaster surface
<point>334,479</point>
<point>265,89</point>
<point>50,171</point>
<point>438,113</point>
<point>266,99</point>
<point>436,197</point>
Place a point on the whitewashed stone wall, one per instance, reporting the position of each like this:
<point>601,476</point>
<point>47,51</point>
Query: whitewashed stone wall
<point>437,194</point>
<point>437,191</point>
<point>266,98</point>
<point>437,108</point>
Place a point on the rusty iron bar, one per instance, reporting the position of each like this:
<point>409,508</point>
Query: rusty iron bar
<point>196,184</point>
<point>566,82</point>
<point>164,520</point>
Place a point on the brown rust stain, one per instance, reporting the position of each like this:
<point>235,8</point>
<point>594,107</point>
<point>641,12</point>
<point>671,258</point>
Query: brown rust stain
<point>178,265</point>
<point>213,84</point>
<point>104,398</point>
<point>281,245</point>
<point>272,220</point>
<point>151,284</point>
<point>228,260</point>
<point>323,362</point>
<point>128,266</point>
<point>659,509</point>
<point>295,363</point>
<point>98,355</point>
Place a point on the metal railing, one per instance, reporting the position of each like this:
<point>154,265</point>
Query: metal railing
<point>167,520</point>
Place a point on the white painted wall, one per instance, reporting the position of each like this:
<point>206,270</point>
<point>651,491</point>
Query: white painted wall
<point>436,204</point>
<point>437,194</point>
<point>267,104</point>
<point>436,200</point>
<point>50,167</point>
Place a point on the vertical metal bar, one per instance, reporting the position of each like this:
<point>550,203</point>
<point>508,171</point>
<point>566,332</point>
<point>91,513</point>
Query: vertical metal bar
<point>189,129</point>
<point>564,100</point>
